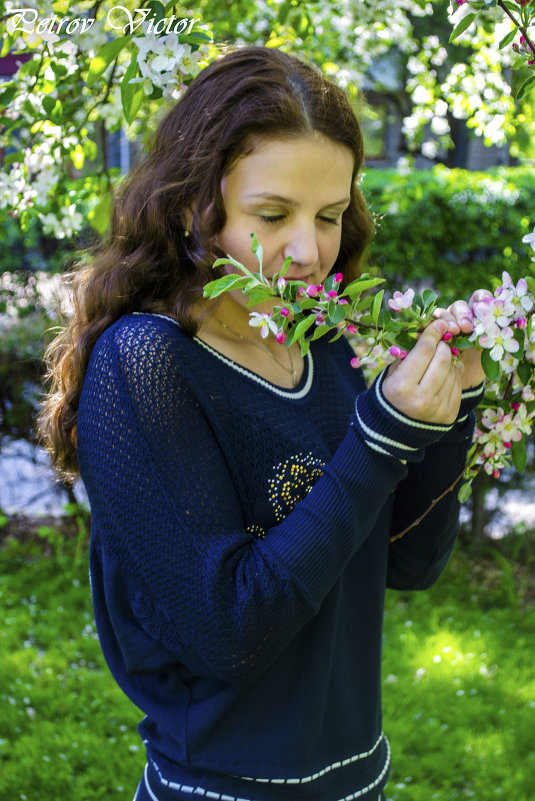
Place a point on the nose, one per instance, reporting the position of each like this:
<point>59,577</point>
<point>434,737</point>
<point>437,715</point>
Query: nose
<point>302,245</point>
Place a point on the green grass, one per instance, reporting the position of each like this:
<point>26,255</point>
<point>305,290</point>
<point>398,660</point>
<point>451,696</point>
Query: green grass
<point>459,687</point>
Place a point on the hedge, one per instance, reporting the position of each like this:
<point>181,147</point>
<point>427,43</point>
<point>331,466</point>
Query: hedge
<point>451,229</point>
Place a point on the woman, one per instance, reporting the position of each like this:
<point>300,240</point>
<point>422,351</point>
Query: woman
<point>243,497</point>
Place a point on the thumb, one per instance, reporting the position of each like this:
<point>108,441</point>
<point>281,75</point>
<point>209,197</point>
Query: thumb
<point>420,356</point>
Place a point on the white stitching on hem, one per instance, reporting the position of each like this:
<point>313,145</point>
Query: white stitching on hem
<point>327,769</point>
<point>222,797</point>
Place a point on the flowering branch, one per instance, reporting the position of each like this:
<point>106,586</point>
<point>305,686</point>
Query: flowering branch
<point>503,331</point>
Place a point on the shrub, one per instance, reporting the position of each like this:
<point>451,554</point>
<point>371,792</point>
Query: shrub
<point>449,228</point>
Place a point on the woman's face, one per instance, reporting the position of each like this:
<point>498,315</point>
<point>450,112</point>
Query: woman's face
<point>291,193</point>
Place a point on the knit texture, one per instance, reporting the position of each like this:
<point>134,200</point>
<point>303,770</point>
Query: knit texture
<point>240,553</point>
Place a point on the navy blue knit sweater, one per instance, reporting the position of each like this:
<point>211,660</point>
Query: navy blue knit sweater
<point>240,553</point>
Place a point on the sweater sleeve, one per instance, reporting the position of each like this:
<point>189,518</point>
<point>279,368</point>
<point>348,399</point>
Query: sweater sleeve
<point>171,537</point>
<point>417,559</point>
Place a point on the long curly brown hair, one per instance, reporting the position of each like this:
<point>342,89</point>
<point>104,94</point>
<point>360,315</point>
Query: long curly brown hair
<point>145,262</point>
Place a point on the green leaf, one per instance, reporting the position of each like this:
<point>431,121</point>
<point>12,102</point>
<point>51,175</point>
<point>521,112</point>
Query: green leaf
<point>364,303</point>
<point>285,266</point>
<point>258,295</point>
<point>7,95</point>
<point>7,45</point>
<point>378,299</point>
<point>507,39</point>
<point>59,70</point>
<point>519,336</point>
<point>491,368</point>
<point>428,298</point>
<point>524,372</point>
<point>13,158</point>
<point>462,26</point>
<point>465,492</point>
<point>527,86</point>
<point>215,288</point>
<point>99,216</point>
<point>257,250</point>
<point>519,455</point>
<point>108,53</point>
<point>131,93</point>
<point>301,328</point>
<point>356,288</point>
<point>320,331</point>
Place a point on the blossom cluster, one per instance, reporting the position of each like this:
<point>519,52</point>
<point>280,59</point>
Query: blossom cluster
<point>502,329</point>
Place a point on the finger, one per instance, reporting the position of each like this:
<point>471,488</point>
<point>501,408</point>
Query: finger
<point>479,296</point>
<point>462,313</point>
<point>449,318</point>
<point>438,371</point>
<point>420,357</point>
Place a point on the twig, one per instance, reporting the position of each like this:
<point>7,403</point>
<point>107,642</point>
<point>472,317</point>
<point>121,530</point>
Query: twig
<point>433,503</point>
<point>519,25</point>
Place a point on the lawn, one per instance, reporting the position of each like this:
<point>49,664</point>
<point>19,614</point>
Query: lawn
<point>459,685</point>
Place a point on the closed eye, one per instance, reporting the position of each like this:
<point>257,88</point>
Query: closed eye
<point>277,218</point>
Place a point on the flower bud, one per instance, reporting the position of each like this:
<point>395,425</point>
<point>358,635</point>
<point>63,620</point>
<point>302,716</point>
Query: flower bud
<point>281,337</point>
<point>311,290</point>
<point>338,278</point>
<point>355,362</point>
<point>351,329</point>
<point>522,322</point>
<point>495,473</point>
<point>333,293</point>
<point>282,283</point>
<point>285,312</point>
<point>447,336</point>
<point>455,351</point>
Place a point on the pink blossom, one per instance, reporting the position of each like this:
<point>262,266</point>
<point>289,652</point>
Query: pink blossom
<point>338,278</point>
<point>397,352</point>
<point>281,337</point>
<point>282,283</point>
<point>401,300</point>
<point>499,341</point>
<point>285,312</point>
<point>311,290</point>
<point>264,322</point>
<point>355,362</point>
<point>447,336</point>
<point>491,417</point>
<point>320,319</point>
<point>522,322</point>
<point>333,293</point>
<point>508,431</point>
<point>343,302</point>
<point>351,329</point>
<point>455,351</point>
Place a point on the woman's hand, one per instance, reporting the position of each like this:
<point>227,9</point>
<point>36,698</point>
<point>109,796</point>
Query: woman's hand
<point>459,318</point>
<point>427,384</point>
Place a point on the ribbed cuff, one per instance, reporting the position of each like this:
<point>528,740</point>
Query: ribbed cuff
<point>470,398</point>
<point>387,430</point>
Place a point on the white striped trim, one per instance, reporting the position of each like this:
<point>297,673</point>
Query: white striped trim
<point>201,791</point>
<point>324,771</point>
<point>248,373</point>
<point>382,450</point>
<point>403,418</point>
<point>289,394</point>
<point>371,433</point>
<point>472,393</point>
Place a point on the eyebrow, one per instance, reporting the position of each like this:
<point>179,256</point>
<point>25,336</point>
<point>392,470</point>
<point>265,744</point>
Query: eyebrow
<point>270,196</point>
